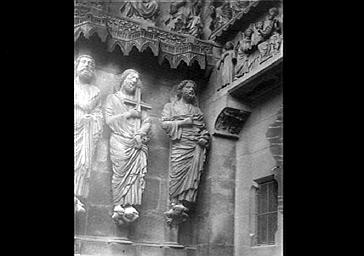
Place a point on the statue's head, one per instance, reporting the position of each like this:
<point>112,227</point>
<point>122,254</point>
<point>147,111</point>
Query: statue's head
<point>129,81</point>
<point>259,25</point>
<point>248,32</point>
<point>187,90</point>
<point>273,12</point>
<point>229,46</point>
<point>85,68</point>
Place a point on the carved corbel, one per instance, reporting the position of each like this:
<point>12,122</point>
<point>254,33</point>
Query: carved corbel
<point>230,122</point>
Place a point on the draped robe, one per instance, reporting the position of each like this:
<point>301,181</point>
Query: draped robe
<point>226,64</point>
<point>145,9</point>
<point>129,164</point>
<point>86,133</point>
<point>187,157</point>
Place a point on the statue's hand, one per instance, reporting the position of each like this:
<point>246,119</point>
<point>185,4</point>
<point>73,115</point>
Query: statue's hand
<point>138,141</point>
<point>133,113</point>
<point>186,121</point>
<point>203,142</point>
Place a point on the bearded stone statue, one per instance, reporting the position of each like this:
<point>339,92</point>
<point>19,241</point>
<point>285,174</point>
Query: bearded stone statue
<point>184,123</point>
<point>88,123</point>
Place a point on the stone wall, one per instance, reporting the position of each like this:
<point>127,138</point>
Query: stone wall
<point>254,161</point>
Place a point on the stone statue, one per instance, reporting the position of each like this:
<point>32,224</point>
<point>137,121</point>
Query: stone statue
<point>88,123</point>
<point>267,35</point>
<point>245,50</point>
<point>226,64</point>
<point>272,33</point>
<point>146,9</point>
<point>130,131</point>
<point>184,17</point>
<point>184,123</point>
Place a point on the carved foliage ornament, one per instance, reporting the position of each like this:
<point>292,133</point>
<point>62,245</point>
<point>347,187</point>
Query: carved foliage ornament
<point>231,120</point>
<point>127,33</point>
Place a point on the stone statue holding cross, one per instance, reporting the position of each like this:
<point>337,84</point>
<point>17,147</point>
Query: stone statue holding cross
<point>130,126</point>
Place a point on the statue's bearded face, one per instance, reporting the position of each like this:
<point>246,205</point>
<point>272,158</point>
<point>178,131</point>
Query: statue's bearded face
<point>130,83</point>
<point>85,69</point>
<point>188,92</point>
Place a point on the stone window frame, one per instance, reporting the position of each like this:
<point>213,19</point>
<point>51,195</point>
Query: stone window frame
<point>254,203</point>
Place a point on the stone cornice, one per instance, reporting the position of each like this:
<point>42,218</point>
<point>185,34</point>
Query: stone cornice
<point>127,33</point>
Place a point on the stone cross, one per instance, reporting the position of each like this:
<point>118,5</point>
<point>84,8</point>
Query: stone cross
<point>139,105</point>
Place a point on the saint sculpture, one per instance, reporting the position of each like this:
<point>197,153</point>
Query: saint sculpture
<point>184,123</point>
<point>88,124</point>
<point>130,131</point>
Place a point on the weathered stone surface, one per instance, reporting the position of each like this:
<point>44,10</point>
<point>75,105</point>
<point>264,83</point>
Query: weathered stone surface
<point>148,228</point>
<point>99,222</point>
<point>174,252</point>
<point>107,249</point>
<point>158,162</point>
<point>149,250</point>
<point>100,188</point>
<point>80,224</point>
<point>221,249</point>
<point>151,195</point>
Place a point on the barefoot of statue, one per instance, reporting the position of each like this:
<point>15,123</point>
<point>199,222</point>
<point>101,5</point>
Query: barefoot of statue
<point>124,215</point>
<point>177,214</point>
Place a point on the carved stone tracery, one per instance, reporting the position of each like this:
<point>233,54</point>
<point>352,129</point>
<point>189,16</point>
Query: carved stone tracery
<point>127,33</point>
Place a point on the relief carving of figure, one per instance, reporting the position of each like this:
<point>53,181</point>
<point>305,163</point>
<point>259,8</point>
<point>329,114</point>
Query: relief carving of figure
<point>184,123</point>
<point>88,123</point>
<point>130,131</point>
<point>184,17</point>
<point>269,35</point>
<point>146,9</point>
<point>245,50</point>
<point>220,15</point>
<point>226,64</point>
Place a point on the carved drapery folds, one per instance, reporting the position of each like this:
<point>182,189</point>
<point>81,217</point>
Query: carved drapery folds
<point>127,33</point>
<point>141,9</point>
<point>230,122</point>
<point>184,123</point>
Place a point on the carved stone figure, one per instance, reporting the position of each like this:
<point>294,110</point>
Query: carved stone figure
<point>146,9</point>
<point>88,122</point>
<point>184,123</point>
<point>220,15</point>
<point>130,131</point>
<point>269,35</point>
<point>184,17</point>
<point>245,49</point>
<point>226,64</point>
